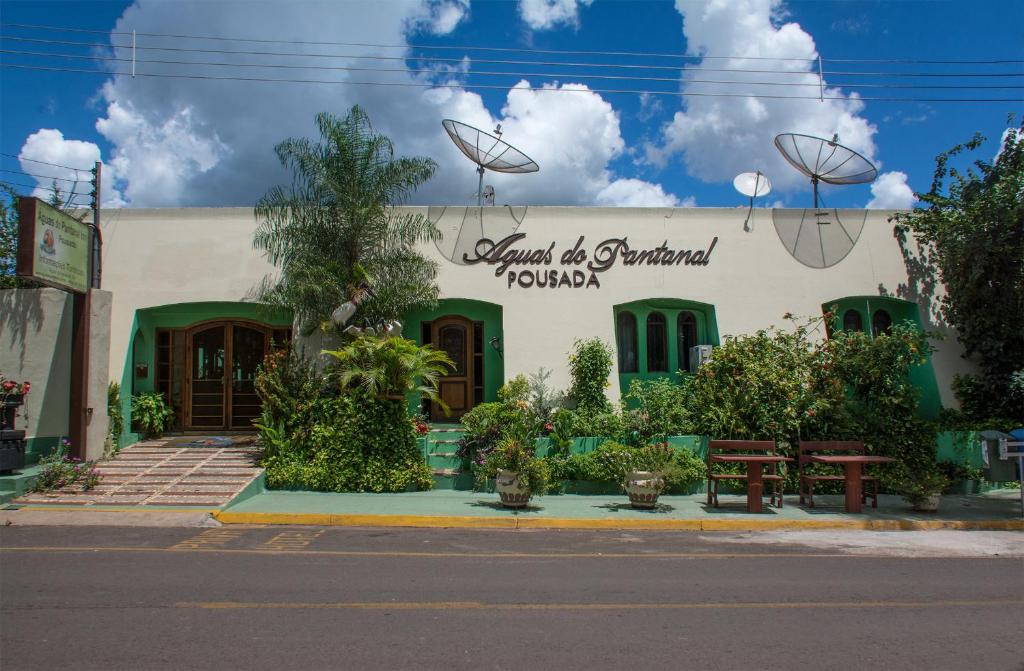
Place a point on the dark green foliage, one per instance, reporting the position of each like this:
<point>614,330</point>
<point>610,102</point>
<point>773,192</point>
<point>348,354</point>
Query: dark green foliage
<point>611,461</point>
<point>150,413</point>
<point>322,439</point>
<point>970,228</point>
<point>590,365</point>
<point>116,417</point>
<point>335,226</point>
<point>389,368</point>
<point>658,410</point>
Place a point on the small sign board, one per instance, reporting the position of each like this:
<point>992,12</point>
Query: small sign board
<point>53,247</point>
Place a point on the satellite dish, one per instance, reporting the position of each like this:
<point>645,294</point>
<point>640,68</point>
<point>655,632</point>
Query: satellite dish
<point>752,185</point>
<point>819,238</point>
<point>488,152</point>
<point>462,228</point>
<point>825,160</point>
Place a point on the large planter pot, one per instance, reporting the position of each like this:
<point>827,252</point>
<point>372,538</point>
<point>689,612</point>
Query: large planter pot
<point>513,493</point>
<point>643,488</point>
<point>12,450</point>
<point>928,505</point>
<point>8,409</point>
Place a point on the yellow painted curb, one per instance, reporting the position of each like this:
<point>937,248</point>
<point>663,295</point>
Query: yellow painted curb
<point>515,522</point>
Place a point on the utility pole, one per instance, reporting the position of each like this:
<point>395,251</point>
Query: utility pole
<point>97,241</point>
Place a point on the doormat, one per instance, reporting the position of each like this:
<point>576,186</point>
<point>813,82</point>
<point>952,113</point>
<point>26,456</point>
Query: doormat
<point>211,441</point>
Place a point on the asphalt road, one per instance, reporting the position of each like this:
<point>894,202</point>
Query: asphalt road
<point>310,598</point>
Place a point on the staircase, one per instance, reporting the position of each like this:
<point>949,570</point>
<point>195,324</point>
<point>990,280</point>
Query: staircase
<point>440,447</point>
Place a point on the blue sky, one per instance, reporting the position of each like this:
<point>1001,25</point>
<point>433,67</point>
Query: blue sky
<point>181,142</point>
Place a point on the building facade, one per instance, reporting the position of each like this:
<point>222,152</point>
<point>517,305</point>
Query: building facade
<point>518,287</point>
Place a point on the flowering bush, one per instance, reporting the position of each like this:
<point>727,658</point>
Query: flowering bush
<point>60,471</point>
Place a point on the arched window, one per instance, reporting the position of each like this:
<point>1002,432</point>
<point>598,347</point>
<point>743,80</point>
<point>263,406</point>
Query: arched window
<point>852,321</point>
<point>687,327</point>
<point>627,342</point>
<point>881,322</point>
<point>657,344</point>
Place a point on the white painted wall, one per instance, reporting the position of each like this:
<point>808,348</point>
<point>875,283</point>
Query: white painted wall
<point>158,257</point>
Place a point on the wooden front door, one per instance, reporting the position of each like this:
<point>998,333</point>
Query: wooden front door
<point>454,337</point>
<point>222,364</point>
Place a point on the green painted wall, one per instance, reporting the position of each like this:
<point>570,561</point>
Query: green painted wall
<point>923,377</point>
<point>478,311</point>
<point>142,347</point>
<point>707,333</point>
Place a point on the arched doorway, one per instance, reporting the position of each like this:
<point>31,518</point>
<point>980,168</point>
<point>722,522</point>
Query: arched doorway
<point>222,359</point>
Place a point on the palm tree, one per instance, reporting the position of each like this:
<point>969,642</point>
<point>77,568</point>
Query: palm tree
<point>336,225</point>
<point>389,368</point>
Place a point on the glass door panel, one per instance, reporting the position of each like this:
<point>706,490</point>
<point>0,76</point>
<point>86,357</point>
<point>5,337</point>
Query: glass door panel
<point>207,378</point>
<point>248,347</point>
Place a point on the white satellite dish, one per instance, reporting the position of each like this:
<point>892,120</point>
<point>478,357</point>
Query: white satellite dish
<point>752,185</point>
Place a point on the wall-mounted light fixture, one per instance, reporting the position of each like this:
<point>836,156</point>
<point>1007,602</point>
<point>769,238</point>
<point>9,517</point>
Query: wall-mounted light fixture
<point>496,344</point>
<point>142,370</point>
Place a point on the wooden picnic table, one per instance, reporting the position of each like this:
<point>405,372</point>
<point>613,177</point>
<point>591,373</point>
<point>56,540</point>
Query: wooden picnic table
<point>755,464</point>
<point>853,468</point>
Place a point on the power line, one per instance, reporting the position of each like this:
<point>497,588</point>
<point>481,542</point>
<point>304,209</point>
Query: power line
<point>679,94</point>
<point>32,174</point>
<point>433,59</point>
<point>69,194</point>
<point>486,73</point>
<point>516,49</point>
<point>55,165</point>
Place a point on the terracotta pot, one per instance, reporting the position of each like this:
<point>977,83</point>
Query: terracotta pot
<point>929,505</point>
<point>643,488</point>
<point>513,493</point>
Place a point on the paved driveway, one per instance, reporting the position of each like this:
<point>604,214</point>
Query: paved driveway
<point>165,472</point>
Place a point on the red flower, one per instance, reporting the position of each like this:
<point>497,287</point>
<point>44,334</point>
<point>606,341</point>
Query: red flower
<point>25,387</point>
<point>549,427</point>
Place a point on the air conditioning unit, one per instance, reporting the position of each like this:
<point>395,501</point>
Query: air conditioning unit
<point>698,355</point>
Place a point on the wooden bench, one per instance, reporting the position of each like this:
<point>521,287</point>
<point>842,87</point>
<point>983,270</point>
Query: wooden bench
<point>743,447</point>
<point>809,448</point>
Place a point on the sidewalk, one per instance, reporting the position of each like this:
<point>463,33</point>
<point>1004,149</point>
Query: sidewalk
<point>999,510</point>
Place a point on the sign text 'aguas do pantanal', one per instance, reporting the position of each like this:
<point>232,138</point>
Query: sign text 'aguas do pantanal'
<point>53,248</point>
<point>579,269</point>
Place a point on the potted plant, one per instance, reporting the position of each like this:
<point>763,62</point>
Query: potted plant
<point>645,481</point>
<point>924,490</point>
<point>518,473</point>
<point>12,442</point>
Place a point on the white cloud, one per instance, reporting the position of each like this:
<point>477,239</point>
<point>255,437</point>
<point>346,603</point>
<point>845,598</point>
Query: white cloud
<point>719,137</point>
<point>439,17</point>
<point>161,158</point>
<point>637,193</point>
<point>49,146</point>
<point>179,142</point>
<point>891,192</point>
<point>548,14</point>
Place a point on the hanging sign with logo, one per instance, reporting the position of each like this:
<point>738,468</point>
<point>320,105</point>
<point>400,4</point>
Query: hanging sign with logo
<point>579,268</point>
<point>53,247</point>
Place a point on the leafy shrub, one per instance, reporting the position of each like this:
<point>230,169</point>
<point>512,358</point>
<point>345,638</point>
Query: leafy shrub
<point>611,461</point>
<point>590,365</point>
<point>59,471</point>
<point>658,410</point>
<point>286,383</point>
<point>489,423</point>
<point>150,413</point>
<point>544,401</point>
<point>114,412</point>
<point>606,424</point>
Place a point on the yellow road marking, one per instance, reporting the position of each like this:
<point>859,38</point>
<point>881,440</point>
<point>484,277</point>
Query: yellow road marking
<point>292,541</point>
<point>180,548</point>
<point>211,538</point>
<point>476,605</point>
